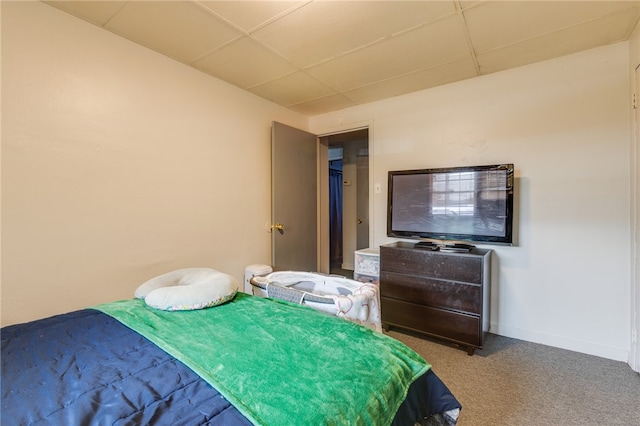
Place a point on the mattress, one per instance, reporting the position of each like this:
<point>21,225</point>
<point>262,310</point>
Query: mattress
<point>87,367</point>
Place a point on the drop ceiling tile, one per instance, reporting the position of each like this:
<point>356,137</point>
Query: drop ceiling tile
<point>250,15</point>
<point>319,106</point>
<point>371,49</point>
<point>497,24</point>
<point>292,89</point>
<point>182,30</point>
<point>429,46</point>
<point>96,12</point>
<point>611,29</point>
<point>326,29</point>
<point>470,3</point>
<point>244,63</point>
<point>421,80</point>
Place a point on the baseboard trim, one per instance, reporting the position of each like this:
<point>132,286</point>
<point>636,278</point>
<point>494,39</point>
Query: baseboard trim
<point>589,348</point>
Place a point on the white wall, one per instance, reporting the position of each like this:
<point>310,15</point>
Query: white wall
<point>119,164</point>
<point>349,204</point>
<point>565,124</point>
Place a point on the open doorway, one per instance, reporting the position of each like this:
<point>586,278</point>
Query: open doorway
<point>348,163</point>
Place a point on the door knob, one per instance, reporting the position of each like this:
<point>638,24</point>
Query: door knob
<point>359,221</point>
<point>279,227</point>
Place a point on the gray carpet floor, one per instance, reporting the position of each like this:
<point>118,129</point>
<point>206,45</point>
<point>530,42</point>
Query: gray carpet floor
<point>513,382</point>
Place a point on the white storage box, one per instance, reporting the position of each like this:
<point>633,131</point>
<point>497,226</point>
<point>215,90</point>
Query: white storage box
<point>364,278</point>
<point>367,262</point>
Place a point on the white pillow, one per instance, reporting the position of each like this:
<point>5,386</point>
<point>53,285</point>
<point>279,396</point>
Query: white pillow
<point>187,289</point>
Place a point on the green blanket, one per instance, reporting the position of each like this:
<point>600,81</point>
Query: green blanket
<point>281,363</point>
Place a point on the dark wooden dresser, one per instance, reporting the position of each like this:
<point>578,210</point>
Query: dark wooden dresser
<point>442,294</point>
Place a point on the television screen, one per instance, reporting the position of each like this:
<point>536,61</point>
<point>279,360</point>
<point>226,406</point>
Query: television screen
<point>457,203</point>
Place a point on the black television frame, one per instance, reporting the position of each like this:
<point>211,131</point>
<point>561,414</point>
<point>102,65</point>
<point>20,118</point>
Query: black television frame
<point>506,239</point>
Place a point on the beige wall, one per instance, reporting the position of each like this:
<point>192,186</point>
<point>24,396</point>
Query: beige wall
<point>565,124</point>
<point>119,164</point>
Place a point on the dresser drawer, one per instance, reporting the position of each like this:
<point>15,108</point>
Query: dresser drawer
<point>443,294</point>
<point>453,326</point>
<point>452,266</point>
<point>432,292</point>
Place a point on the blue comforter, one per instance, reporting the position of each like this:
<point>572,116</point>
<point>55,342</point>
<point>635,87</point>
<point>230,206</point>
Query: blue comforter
<point>86,368</point>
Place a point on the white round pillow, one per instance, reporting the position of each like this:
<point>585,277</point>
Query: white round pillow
<point>188,289</point>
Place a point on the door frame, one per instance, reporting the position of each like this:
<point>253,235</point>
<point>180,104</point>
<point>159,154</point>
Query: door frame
<point>324,260</point>
<point>634,355</point>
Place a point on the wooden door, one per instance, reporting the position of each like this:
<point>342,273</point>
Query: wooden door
<point>294,199</point>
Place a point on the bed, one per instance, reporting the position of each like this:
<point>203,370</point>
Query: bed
<point>249,360</point>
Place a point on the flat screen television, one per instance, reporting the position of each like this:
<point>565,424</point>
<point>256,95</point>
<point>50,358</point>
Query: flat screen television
<point>472,204</point>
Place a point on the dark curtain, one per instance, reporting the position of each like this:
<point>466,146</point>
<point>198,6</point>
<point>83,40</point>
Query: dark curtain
<point>335,211</point>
